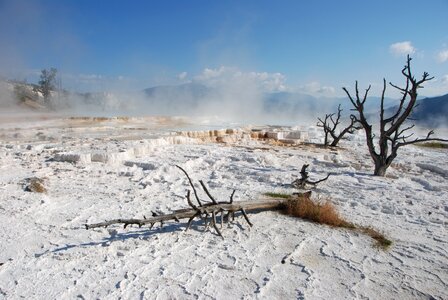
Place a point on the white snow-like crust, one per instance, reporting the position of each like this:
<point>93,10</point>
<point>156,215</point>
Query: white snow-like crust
<point>93,173</point>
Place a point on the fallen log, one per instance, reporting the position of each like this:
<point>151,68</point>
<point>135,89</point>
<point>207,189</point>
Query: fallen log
<point>243,206</point>
<point>206,211</point>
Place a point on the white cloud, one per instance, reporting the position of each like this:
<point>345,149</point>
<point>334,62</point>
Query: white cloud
<point>402,48</point>
<point>445,79</point>
<point>267,82</point>
<point>442,56</point>
<point>436,87</point>
<point>270,81</point>
<point>88,77</point>
<point>315,88</point>
<point>182,75</point>
<point>92,79</point>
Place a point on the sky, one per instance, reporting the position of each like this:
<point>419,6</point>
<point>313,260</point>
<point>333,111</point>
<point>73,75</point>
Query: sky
<point>314,47</point>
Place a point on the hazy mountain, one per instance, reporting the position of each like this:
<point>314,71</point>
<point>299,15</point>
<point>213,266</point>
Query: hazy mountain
<point>290,104</point>
<point>194,95</point>
<point>176,99</point>
<point>191,90</point>
<point>196,98</point>
<point>432,111</point>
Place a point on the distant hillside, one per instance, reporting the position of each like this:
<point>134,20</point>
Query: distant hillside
<point>198,99</point>
<point>290,104</point>
<point>432,111</point>
<point>192,90</point>
<point>14,94</point>
<point>177,98</point>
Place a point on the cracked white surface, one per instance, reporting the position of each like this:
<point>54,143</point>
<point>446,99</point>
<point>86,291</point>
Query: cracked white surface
<point>46,253</point>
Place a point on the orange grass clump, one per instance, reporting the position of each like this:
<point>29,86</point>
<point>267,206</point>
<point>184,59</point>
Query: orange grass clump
<point>381,240</point>
<point>324,212</point>
<point>319,212</point>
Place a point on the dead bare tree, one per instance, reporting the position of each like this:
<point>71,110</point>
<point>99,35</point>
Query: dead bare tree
<point>300,183</point>
<point>393,132</point>
<point>330,124</point>
<point>208,212</point>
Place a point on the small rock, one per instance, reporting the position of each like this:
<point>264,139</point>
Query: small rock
<point>35,185</point>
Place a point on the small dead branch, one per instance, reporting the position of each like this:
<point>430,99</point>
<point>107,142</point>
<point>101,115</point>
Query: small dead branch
<point>300,183</point>
<point>191,184</point>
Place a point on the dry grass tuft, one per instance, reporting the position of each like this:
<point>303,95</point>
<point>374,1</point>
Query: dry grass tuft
<point>381,240</point>
<point>324,212</point>
<point>437,145</point>
<point>320,212</point>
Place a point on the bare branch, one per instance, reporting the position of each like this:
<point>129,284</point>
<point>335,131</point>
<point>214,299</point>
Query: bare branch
<point>246,217</point>
<point>399,133</point>
<point>207,192</point>
<point>319,181</point>
<point>231,197</point>
<point>191,184</point>
<point>365,95</point>
<point>419,140</point>
<point>189,201</point>
<point>350,98</point>
<point>214,224</point>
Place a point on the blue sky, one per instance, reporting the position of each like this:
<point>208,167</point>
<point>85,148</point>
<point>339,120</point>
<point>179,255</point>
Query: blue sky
<point>308,46</point>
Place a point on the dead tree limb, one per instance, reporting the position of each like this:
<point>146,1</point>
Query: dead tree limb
<point>207,209</point>
<point>191,184</point>
<point>206,212</point>
<point>301,182</point>
<point>207,192</point>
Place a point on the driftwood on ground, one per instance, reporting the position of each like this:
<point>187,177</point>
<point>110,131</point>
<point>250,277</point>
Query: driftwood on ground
<point>301,182</point>
<point>207,212</point>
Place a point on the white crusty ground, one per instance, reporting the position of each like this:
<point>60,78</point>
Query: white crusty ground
<point>46,253</point>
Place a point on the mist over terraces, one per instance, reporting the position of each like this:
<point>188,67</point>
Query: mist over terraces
<point>196,98</point>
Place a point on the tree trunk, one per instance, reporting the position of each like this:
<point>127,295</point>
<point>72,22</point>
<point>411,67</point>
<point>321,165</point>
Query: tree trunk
<point>380,169</point>
<point>335,142</point>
